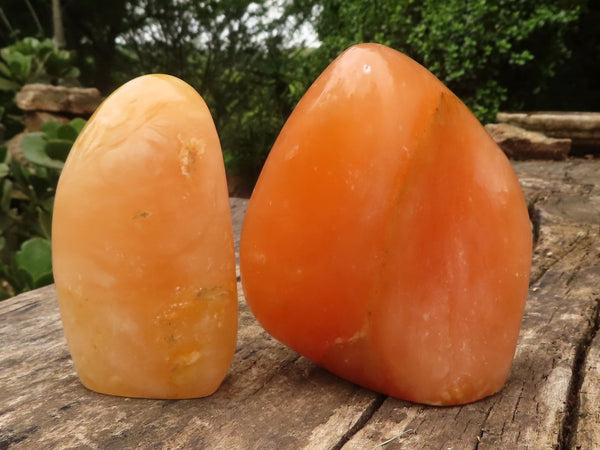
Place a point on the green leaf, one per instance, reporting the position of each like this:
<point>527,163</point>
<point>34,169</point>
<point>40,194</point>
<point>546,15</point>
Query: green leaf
<point>5,53</point>
<point>4,170</point>
<point>4,70</point>
<point>51,128</point>
<point>35,259</point>
<point>34,144</point>
<point>19,65</point>
<point>8,85</point>
<point>45,222</point>
<point>58,149</point>
<point>4,154</point>
<point>44,280</point>
<point>34,149</point>
<point>66,131</point>
<point>78,124</point>
<point>71,73</point>
<point>30,60</point>
<point>20,174</point>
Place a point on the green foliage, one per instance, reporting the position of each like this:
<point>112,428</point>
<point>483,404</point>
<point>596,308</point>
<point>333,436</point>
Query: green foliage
<point>511,54</point>
<point>491,54</point>
<point>26,200</point>
<point>254,115</point>
<point>30,61</point>
<point>49,148</point>
<point>496,49</point>
<point>34,261</point>
<point>35,61</point>
<point>232,55</point>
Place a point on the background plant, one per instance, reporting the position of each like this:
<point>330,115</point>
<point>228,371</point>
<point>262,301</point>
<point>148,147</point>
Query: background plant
<point>27,197</point>
<point>250,64</point>
<point>30,61</point>
<point>501,54</point>
<point>35,61</point>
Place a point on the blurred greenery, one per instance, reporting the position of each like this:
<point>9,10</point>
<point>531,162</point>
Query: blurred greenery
<point>30,60</point>
<point>35,61</point>
<point>505,54</point>
<point>252,62</point>
<point>247,60</point>
<point>27,191</point>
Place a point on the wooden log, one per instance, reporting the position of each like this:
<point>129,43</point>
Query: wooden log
<point>587,420</point>
<point>274,399</point>
<point>532,409</point>
<point>267,400</point>
<point>518,143</point>
<point>583,128</point>
<point>588,430</point>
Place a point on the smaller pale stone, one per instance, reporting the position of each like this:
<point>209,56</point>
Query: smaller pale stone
<point>142,246</point>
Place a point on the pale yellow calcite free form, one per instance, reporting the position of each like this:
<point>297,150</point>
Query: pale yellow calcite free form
<point>142,246</point>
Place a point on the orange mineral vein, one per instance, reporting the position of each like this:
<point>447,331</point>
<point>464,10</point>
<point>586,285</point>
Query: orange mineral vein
<point>142,246</point>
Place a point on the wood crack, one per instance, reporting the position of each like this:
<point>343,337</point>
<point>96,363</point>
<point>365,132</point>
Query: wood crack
<point>14,438</point>
<point>575,272</point>
<point>568,429</point>
<point>272,376</point>
<point>481,428</point>
<point>25,308</point>
<point>571,247</point>
<point>535,219</point>
<point>516,408</point>
<point>361,422</point>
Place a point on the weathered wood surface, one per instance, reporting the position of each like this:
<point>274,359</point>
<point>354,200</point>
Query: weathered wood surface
<point>580,127</point>
<point>521,144</point>
<point>274,399</point>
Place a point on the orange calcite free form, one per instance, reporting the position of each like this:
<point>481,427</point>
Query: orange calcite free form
<point>142,246</point>
<point>387,238</point>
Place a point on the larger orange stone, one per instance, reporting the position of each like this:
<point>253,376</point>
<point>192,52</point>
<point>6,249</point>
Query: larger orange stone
<point>142,246</point>
<point>387,238</point>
